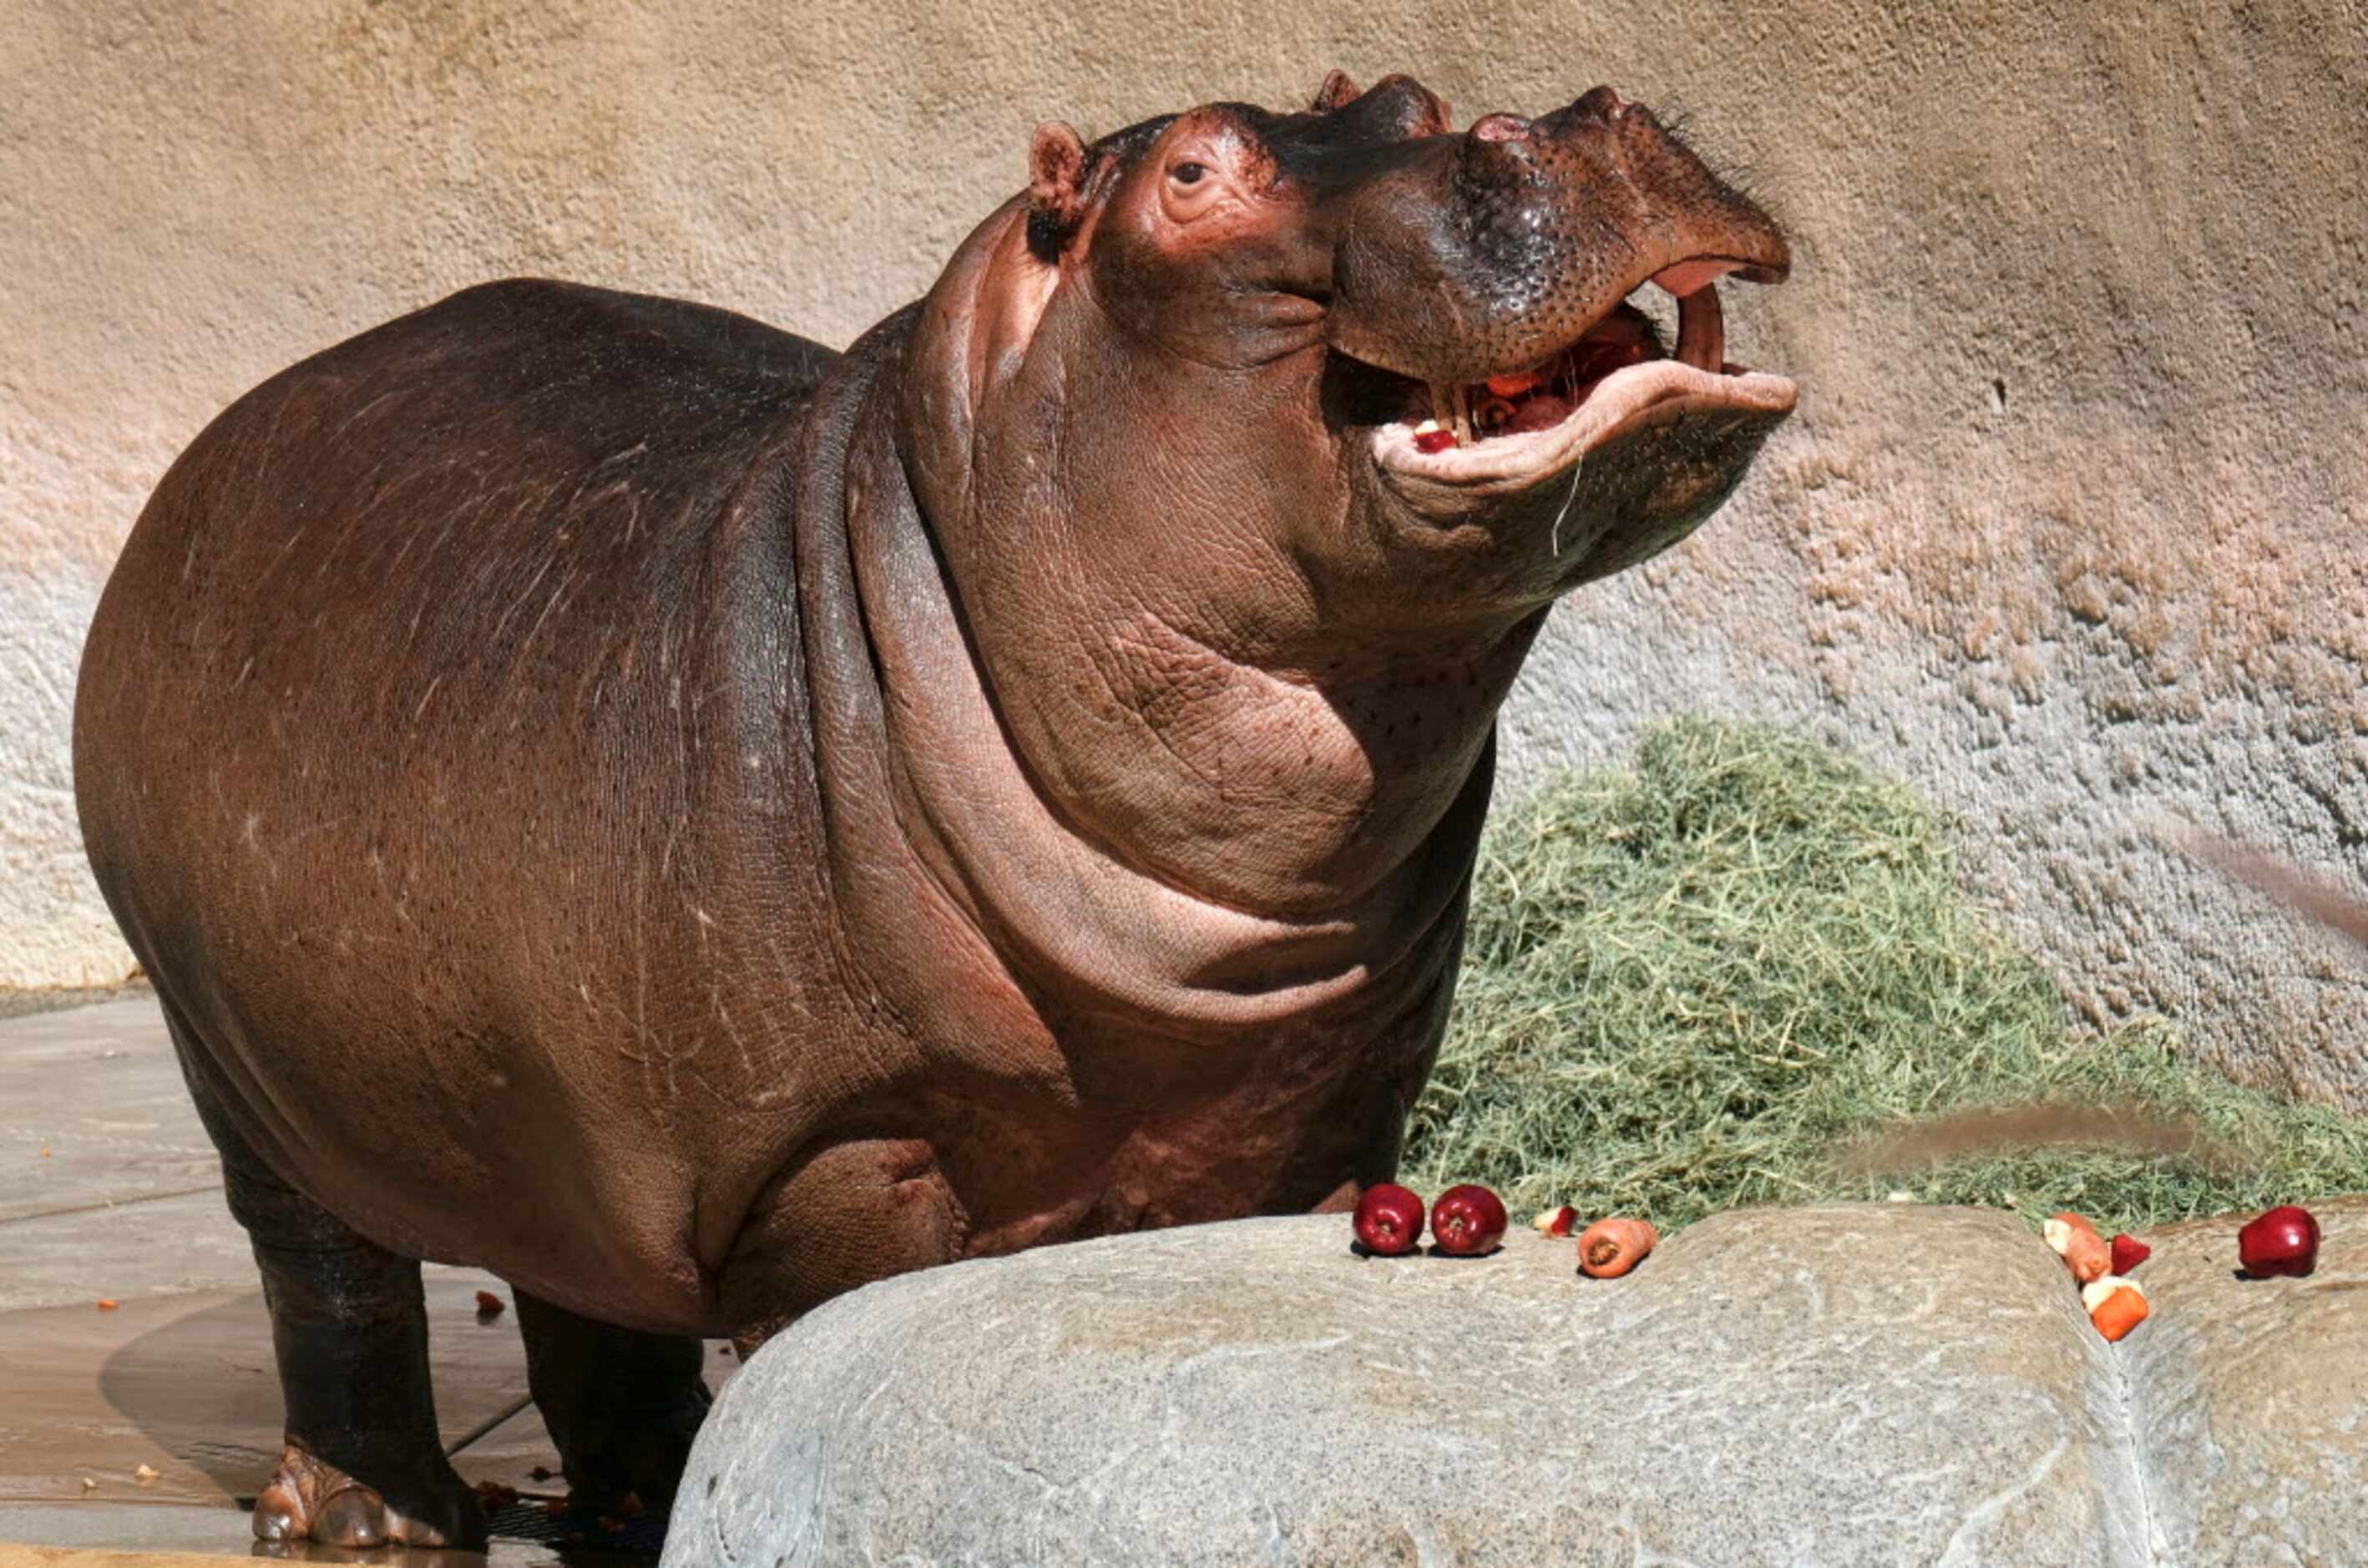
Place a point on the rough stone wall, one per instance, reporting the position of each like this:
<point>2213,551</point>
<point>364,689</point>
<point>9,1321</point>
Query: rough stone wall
<point>2069,528</point>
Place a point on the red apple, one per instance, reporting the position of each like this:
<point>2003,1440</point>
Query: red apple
<point>1467,1222</point>
<point>1389,1219</point>
<point>2128,1252</point>
<point>2283,1239</point>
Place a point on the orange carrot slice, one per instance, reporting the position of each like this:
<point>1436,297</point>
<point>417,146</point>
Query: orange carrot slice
<point>2076,1241</point>
<point>2115,1305</point>
<point>1611,1247</point>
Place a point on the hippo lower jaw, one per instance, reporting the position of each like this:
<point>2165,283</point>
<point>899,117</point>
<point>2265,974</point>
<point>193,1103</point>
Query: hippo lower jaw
<point>1516,430</point>
<point>1504,464</point>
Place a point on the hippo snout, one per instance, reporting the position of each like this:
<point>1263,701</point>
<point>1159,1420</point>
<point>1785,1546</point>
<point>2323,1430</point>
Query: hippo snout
<point>1492,253</point>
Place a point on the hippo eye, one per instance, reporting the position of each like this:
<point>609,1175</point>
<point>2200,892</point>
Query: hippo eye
<point>1187,174</point>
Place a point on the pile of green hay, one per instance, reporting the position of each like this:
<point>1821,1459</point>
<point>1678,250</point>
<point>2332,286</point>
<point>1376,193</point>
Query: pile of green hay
<point>1702,984</point>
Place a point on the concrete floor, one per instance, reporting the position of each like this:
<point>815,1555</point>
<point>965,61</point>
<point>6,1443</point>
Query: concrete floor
<point>110,1192</point>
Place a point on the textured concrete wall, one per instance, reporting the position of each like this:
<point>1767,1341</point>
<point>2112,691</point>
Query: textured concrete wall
<point>2069,528</point>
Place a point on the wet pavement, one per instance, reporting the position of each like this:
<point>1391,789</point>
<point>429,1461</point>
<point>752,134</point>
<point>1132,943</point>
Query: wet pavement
<point>138,1410</point>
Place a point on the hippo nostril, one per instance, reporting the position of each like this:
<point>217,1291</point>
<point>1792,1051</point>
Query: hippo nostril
<point>1501,128</point>
<point>1600,104</point>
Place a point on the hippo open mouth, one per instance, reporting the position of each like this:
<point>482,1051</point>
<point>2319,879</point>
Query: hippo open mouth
<point>1517,428</point>
<point>1482,283</point>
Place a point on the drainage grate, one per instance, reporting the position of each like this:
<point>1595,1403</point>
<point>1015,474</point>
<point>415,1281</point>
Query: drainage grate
<point>528,1520</point>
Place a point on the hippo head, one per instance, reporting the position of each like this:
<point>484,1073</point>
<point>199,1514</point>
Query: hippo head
<point>1382,340</point>
<point>1343,396</point>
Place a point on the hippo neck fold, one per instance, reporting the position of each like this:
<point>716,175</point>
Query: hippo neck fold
<point>913,747</point>
<point>1148,557</point>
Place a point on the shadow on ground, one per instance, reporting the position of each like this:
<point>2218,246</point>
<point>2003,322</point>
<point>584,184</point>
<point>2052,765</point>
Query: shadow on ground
<point>226,1425</point>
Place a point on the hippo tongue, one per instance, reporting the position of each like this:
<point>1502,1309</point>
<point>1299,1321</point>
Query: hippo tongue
<point>1543,396</point>
<point>1542,412</point>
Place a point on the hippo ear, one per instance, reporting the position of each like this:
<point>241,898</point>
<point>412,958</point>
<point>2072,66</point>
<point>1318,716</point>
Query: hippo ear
<point>1056,178</point>
<point>1337,90</point>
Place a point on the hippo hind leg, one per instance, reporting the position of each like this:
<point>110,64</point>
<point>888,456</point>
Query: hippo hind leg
<point>623,1405</point>
<point>362,1464</point>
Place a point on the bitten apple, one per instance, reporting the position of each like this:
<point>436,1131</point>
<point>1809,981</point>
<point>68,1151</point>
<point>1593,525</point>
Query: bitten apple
<point>1555,1224</point>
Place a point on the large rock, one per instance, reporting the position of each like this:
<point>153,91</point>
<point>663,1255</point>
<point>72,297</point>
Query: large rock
<point>1862,1385</point>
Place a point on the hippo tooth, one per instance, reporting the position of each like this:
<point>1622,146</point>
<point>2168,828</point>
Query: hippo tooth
<point>1702,330</point>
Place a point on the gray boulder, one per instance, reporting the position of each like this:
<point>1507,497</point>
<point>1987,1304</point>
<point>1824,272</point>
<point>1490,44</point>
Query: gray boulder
<point>1854,1384</point>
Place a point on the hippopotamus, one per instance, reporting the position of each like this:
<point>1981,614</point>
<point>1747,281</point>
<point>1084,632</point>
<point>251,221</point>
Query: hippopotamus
<point>616,795</point>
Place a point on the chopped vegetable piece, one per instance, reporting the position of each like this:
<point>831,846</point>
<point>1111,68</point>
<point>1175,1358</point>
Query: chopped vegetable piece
<point>1611,1247</point>
<point>2076,1241</point>
<point>2115,1305</point>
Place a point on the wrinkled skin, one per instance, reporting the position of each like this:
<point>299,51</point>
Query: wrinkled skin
<point>625,797</point>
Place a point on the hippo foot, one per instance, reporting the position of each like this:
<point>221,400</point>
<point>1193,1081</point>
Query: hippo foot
<point>310,1499</point>
<point>639,1453</point>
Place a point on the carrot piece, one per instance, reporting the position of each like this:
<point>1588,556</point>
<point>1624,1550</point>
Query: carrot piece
<point>108,1303</point>
<point>1514,383</point>
<point>2115,1305</point>
<point>1611,1247</point>
<point>2077,1242</point>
